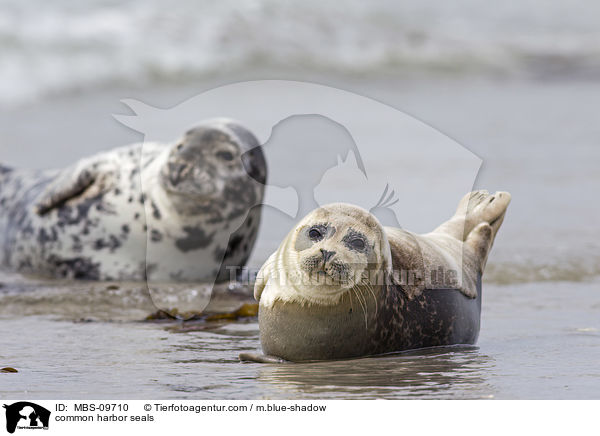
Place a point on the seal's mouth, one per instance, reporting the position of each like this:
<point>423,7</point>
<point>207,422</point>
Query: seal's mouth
<point>335,274</point>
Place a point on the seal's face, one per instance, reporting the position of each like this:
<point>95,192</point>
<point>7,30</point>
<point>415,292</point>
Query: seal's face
<point>204,164</point>
<point>338,247</point>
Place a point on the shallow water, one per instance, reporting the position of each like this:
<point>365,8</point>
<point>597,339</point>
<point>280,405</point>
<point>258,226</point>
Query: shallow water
<point>539,340</point>
<point>540,335</point>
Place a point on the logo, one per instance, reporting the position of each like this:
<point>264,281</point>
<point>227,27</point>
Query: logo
<point>321,145</point>
<point>26,415</point>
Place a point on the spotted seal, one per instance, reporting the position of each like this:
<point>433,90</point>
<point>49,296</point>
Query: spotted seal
<point>178,212</point>
<point>341,285</point>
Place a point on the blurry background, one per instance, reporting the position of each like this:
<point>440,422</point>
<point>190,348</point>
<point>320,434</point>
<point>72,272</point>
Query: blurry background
<point>63,46</point>
<point>517,83</point>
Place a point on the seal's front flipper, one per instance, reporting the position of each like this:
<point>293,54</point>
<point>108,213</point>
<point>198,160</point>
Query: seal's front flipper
<point>71,183</point>
<point>263,276</point>
<point>261,358</point>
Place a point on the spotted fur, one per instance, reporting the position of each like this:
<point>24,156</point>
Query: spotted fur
<point>113,217</point>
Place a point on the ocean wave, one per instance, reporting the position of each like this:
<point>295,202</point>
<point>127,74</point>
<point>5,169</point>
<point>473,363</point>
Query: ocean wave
<point>54,47</point>
<point>516,262</point>
<point>572,270</point>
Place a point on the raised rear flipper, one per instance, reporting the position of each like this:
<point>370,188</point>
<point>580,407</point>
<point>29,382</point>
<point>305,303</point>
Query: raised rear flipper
<point>473,209</point>
<point>480,207</point>
<point>469,235</point>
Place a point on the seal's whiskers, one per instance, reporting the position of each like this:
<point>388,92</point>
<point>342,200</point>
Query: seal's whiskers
<point>363,305</point>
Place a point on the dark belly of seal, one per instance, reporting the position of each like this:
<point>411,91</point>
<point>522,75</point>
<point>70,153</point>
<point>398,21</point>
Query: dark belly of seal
<point>313,332</point>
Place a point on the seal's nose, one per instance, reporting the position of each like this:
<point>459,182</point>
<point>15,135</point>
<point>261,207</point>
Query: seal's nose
<point>327,254</point>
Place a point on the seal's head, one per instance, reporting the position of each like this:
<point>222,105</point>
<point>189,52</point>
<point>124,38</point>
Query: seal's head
<point>334,249</point>
<point>206,159</point>
<point>215,161</point>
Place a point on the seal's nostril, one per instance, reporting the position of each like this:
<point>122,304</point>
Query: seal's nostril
<point>327,254</point>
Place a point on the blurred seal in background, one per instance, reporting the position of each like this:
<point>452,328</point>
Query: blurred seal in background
<point>178,212</point>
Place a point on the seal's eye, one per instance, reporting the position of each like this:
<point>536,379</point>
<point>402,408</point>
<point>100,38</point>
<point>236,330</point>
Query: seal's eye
<point>315,234</point>
<point>225,155</point>
<point>358,244</point>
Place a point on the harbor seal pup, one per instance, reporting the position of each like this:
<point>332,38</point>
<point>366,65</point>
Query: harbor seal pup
<point>341,285</point>
<point>168,213</point>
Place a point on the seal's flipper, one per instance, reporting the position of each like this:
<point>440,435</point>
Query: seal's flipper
<point>263,276</point>
<point>70,183</point>
<point>408,266</point>
<point>480,240</point>
<point>484,217</point>
<point>261,358</point>
<point>473,209</point>
<point>487,217</point>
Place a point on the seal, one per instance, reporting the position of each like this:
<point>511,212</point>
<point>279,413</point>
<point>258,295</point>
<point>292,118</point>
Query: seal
<point>165,212</point>
<point>343,286</point>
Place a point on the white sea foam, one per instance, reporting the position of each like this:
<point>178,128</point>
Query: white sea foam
<point>50,47</point>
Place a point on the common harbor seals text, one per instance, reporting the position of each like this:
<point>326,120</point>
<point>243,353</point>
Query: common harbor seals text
<point>341,285</point>
<point>178,212</point>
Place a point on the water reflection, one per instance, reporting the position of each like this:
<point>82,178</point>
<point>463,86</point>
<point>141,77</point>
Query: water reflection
<point>199,359</point>
<point>208,351</point>
<point>448,372</point>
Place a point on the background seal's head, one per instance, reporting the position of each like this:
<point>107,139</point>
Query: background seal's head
<point>216,161</point>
